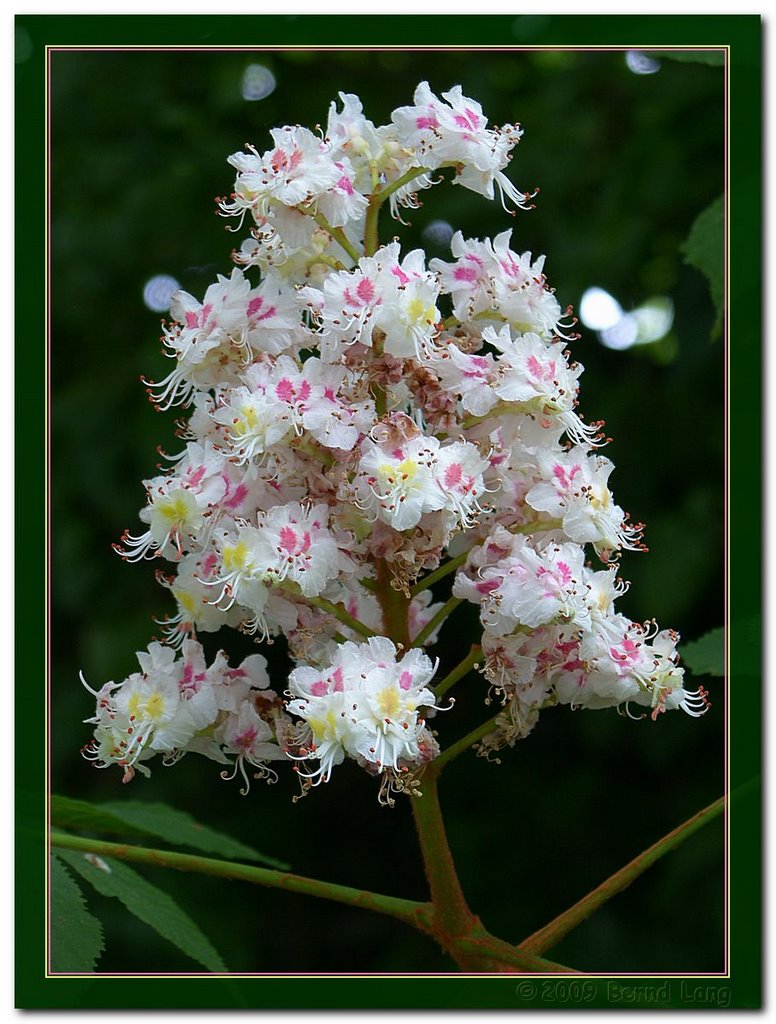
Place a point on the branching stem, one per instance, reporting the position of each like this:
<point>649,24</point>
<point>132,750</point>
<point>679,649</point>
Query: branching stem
<point>337,234</point>
<point>455,927</point>
<point>414,913</point>
<point>410,175</point>
<point>477,948</point>
<point>460,670</point>
<point>436,620</point>
<point>439,574</point>
<point>463,744</point>
<point>553,932</point>
<point>340,612</point>
<point>371,241</point>
<point>452,911</point>
<point>395,607</point>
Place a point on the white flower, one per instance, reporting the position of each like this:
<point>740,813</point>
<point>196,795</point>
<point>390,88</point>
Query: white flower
<point>455,133</point>
<point>397,297</point>
<point>249,739</point>
<point>206,339</point>
<point>528,587</point>
<point>365,705</point>
<point>408,314</point>
<point>399,483</point>
<point>470,279</point>
<point>346,306</point>
<point>174,516</point>
<point>343,203</point>
<point>574,489</point>
<point>295,543</point>
<point>459,469</point>
<point>472,377</point>
<point>295,172</point>
<point>252,422</point>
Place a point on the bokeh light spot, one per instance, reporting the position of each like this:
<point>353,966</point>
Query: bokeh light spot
<point>158,291</point>
<point>621,334</point>
<point>23,48</point>
<point>438,232</point>
<point>598,309</point>
<point>641,64</point>
<point>655,319</point>
<point>258,82</point>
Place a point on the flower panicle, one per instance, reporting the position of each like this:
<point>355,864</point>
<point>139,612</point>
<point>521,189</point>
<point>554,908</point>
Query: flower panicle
<point>359,419</point>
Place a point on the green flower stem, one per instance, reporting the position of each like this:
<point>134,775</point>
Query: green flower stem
<point>376,200</point>
<point>460,670</point>
<point>534,525</point>
<point>553,932</point>
<point>439,574</point>
<point>340,612</point>
<point>395,607</point>
<point>314,451</point>
<point>327,261</point>
<point>463,744</point>
<point>458,931</point>
<point>436,620</point>
<point>377,390</point>
<point>337,234</point>
<point>412,912</point>
<point>452,915</point>
<point>374,175</point>
<point>497,410</point>
<point>410,175</point>
<point>371,240</point>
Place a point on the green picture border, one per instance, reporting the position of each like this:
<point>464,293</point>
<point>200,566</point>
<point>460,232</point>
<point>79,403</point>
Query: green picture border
<point>739,33</point>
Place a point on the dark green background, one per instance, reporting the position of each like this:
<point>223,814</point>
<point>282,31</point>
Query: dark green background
<point>625,163</point>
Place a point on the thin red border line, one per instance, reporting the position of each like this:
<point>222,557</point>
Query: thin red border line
<point>726,512</point>
<point>52,49</point>
<point>382,48</point>
<point>284,976</point>
<point>49,50</point>
<point>47,435</point>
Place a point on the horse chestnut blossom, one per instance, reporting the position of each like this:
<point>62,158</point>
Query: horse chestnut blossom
<point>365,425</point>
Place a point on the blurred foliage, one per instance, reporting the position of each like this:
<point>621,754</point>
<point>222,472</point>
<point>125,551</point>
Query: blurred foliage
<point>625,163</point>
<point>706,656</point>
<point>151,822</point>
<point>714,57</point>
<point>705,249</point>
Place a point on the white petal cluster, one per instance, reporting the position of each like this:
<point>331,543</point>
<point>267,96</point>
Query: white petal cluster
<point>358,417</point>
<point>454,130</point>
<point>383,293</point>
<point>178,704</point>
<point>400,483</point>
<point>364,705</point>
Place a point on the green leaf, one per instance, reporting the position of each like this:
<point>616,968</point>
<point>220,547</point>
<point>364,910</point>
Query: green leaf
<point>76,935</point>
<point>715,58</point>
<point>148,903</point>
<point>705,249</point>
<point>179,828</point>
<point>81,816</point>
<point>137,818</point>
<point>706,657</point>
<point>559,927</point>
